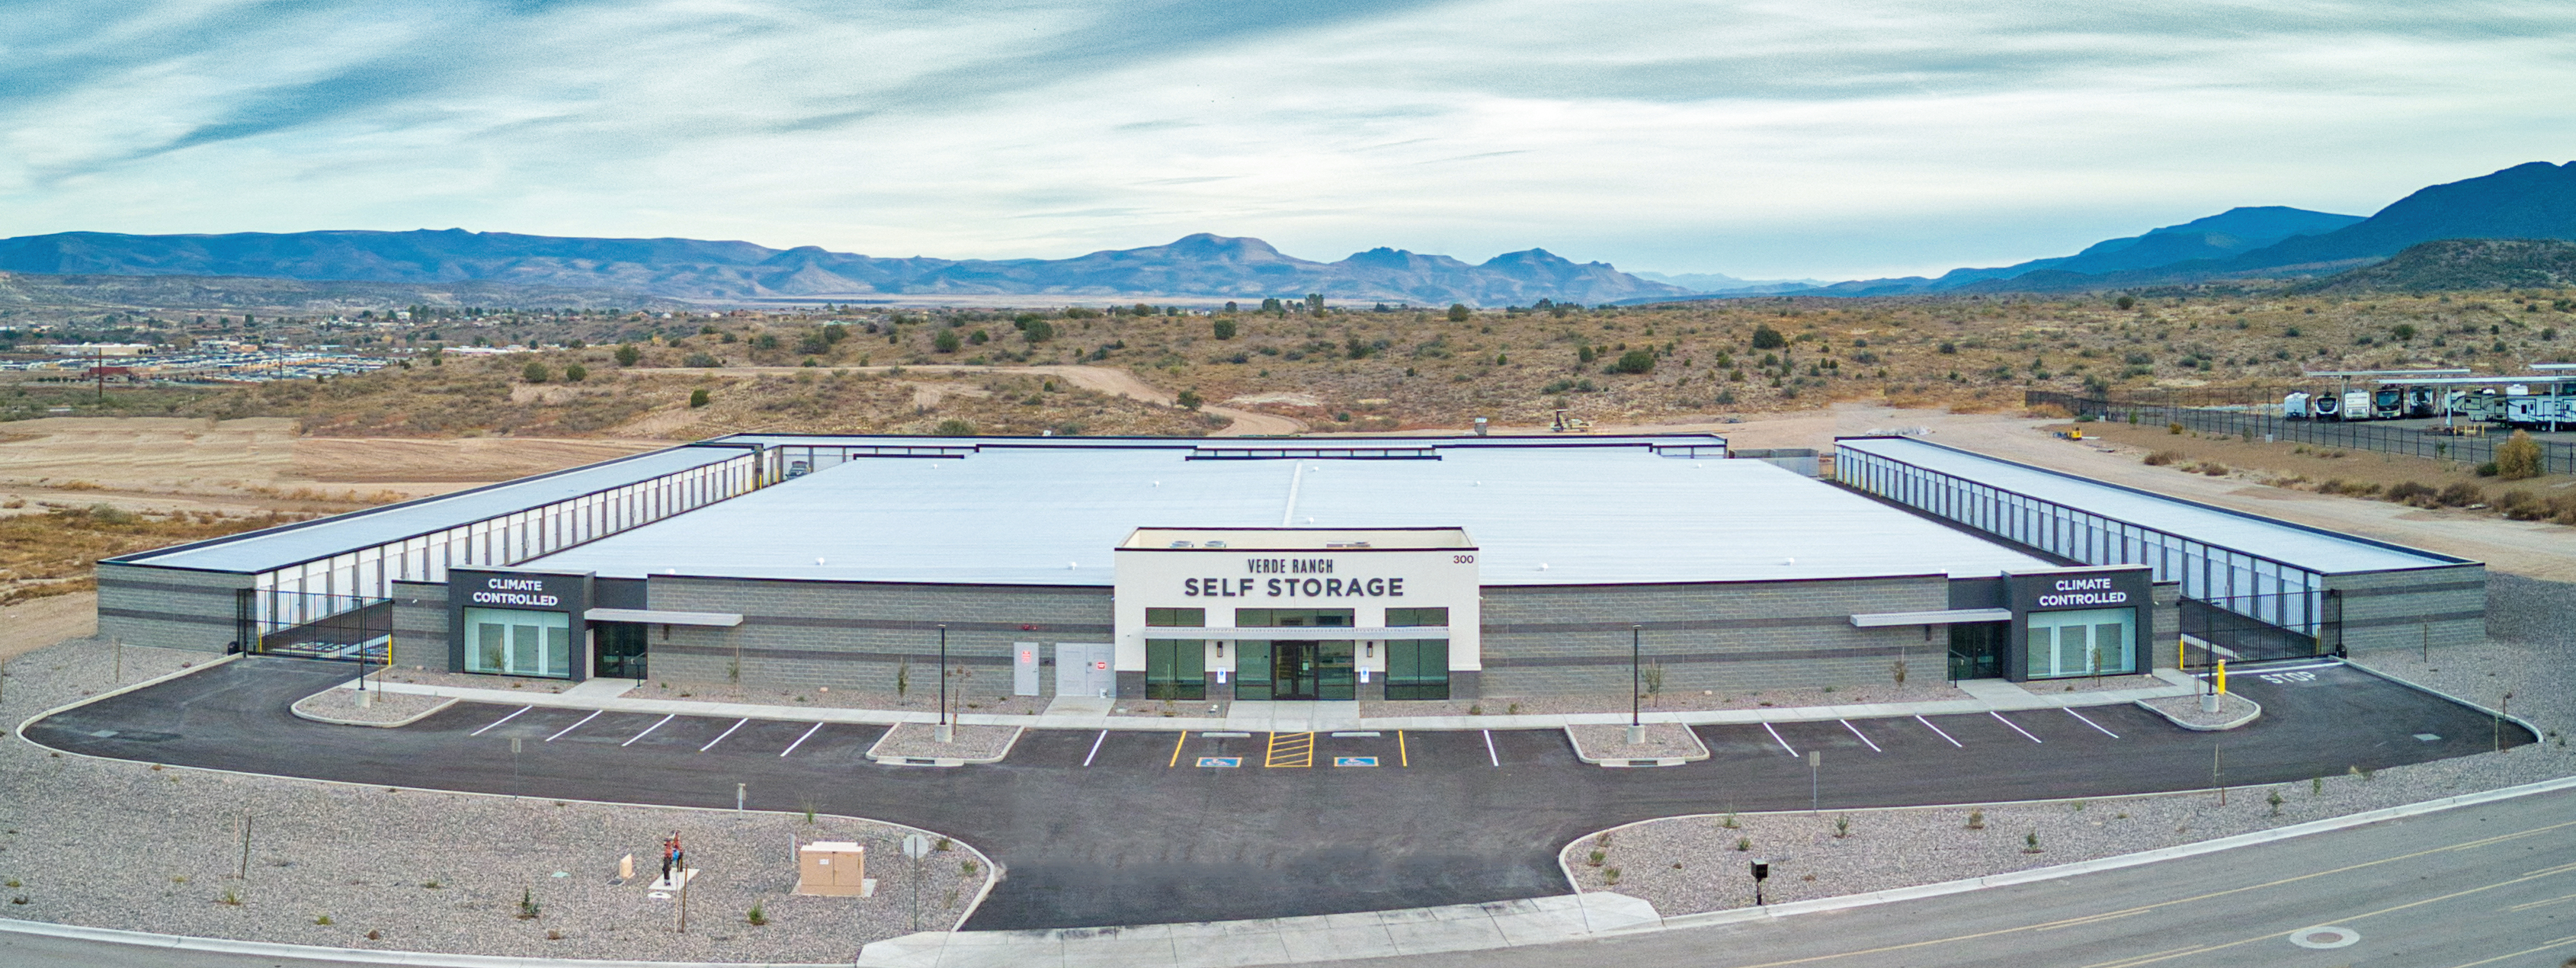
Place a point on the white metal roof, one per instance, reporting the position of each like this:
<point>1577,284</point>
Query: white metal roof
<point>2297,545</point>
<point>1542,512</point>
<point>274,548</point>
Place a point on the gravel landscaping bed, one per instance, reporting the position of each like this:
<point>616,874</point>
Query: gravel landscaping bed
<point>923,696</point>
<point>381,709</point>
<point>463,680</point>
<point>2104,684</point>
<point>1212,707</point>
<point>1662,741</point>
<point>921,741</point>
<point>137,846</point>
<point>1689,864</point>
<point>2233,711</point>
<point>1915,690</point>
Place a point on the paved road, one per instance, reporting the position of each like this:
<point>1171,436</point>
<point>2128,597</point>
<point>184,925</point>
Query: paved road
<point>2490,885</point>
<point>1129,827</point>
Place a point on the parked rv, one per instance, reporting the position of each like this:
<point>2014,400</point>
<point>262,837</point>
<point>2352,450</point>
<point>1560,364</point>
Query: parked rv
<point>2325,407</point>
<point>2295,407</point>
<point>2356,405</point>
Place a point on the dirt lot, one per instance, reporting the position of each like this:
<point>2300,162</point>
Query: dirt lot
<point>150,463</point>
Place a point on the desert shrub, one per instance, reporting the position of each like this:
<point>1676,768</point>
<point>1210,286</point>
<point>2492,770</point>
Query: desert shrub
<point>2211,468</point>
<point>535,373</point>
<point>628,355</point>
<point>2518,458</point>
<point>701,361</point>
<point>2163,457</point>
<point>945,341</point>
<point>2413,493</point>
<point>1635,361</point>
<point>698,397</point>
<point>2462,495</point>
<point>576,373</point>
<point>1766,338</point>
<point>954,427</point>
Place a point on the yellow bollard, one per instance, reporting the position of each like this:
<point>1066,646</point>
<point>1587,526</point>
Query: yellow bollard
<point>2222,677</point>
<point>2182,653</point>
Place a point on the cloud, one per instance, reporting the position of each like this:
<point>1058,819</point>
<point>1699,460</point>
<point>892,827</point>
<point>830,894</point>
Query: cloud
<point>1825,137</point>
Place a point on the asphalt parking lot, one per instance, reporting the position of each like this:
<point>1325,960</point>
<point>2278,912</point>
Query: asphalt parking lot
<point>1121,827</point>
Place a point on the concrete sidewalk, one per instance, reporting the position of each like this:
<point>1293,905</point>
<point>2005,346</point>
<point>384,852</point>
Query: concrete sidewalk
<point>1988,695</point>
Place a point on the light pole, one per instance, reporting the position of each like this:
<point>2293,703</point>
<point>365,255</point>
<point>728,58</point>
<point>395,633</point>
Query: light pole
<point>1636,685</point>
<point>946,732</point>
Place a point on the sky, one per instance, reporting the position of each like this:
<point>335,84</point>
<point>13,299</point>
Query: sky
<point>1817,138</point>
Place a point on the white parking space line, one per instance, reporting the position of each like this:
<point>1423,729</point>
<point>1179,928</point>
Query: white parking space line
<point>711,744</point>
<point>1489,749</point>
<point>2260,670</point>
<point>1936,730</point>
<point>594,714</point>
<point>1864,737</point>
<point>2095,725</point>
<point>501,720</point>
<point>1775,737</point>
<point>2025,734</point>
<point>1095,747</point>
<point>800,741</point>
<point>648,730</point>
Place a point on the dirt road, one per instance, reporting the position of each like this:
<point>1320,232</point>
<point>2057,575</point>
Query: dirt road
<point>35,624</point>
<point>1100,379</point>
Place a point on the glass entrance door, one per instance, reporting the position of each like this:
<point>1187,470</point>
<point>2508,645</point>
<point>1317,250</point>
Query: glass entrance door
<point>620,650</point>
<point>1292,670</point>
<point>1296,670</point>
<point>1977,650</point>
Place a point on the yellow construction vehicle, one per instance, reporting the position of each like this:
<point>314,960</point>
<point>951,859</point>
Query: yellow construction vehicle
<point>1567,423</point>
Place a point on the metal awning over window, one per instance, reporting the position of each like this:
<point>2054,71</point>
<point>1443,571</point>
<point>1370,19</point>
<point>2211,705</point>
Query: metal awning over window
<point>1947,616</point>
<point>659,617</point>
<point>1298,633</point>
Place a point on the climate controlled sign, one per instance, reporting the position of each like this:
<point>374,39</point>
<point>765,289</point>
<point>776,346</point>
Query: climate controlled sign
<point>519,592</point>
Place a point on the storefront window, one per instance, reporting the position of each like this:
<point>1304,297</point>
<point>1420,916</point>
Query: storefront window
<point>2101,641</point>
<point>1397,618</point>
<point>1417,668</point>
<point>1175,670</point>
<point>1183,618</point>
<point>1287,618</point>
<point>518,642</point>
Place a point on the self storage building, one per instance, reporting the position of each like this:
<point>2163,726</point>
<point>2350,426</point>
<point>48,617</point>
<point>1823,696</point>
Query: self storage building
<point>1403,568</point>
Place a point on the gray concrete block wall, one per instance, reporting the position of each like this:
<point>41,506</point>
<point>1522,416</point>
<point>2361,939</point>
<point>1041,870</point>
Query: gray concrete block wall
<point>857,635</point>
<point>2164,627</point>
<point>169,608</point>
<point>2413,608</point>
<point>420,625</point>
<point>1734,636</point>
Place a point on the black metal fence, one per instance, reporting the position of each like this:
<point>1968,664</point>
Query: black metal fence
<point>2226,624</point>
<point>2201,413</point>
<point>348,628</point>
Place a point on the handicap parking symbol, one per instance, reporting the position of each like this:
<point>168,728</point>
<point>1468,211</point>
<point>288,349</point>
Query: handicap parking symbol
<point>1354,761</point>
<point>1221,762</point>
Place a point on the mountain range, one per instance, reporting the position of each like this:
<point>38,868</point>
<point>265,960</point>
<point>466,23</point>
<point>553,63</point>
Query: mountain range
<point>2536,200</point>
<point>2528,201</point>
<point>1201,265</point>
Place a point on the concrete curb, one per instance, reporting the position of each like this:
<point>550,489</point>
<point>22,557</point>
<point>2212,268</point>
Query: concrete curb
<point>20,730</point>
<point>363,956</point>
<point>2536,734</point>
<point>2115,862</point>
<point>1625,762</point>
<point>1007,746</point>
<point>995,870</point>
<point>2205,727</point>
<point>298,710</point>
<point>885,717</point>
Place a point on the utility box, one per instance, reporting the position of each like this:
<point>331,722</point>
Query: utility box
<point>833,868</point>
